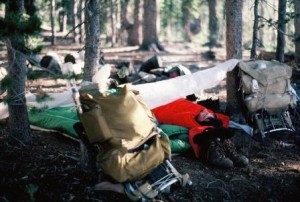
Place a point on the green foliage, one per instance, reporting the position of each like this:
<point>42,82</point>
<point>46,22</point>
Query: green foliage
<point>31,189</point>
<point>170,11</point>
<point>14,26</point>
<point>32,42</point>
<point>174,13</point>
<point>103,14</point>
<point>5,83</point>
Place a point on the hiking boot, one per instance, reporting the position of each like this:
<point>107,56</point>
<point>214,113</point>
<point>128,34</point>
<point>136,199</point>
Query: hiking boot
<point>230,151</point>
<point>216,155</point>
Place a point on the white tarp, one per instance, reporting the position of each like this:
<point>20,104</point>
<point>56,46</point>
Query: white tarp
<point>154,94</point>
<point>162,92</point>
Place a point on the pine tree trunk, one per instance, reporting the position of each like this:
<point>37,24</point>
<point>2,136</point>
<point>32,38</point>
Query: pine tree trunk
<point>52,17</point>
<point>62,21</point>
<point>92,44</point>
<point>187,22</point>
<point>255,30</point>
<point>74,20</point>
<point>213,24</point>
<point>261,32</point>
<point>81,27</point>
<point>135,39</point>
<point>19,129</point>
<point>297,31</point>
<point>234,30</point>
<point>150,38</point>
<point>112,23</point>
<point>281,31</point>
<point>91,65</point>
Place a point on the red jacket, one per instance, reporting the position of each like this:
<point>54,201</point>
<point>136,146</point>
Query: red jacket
<point>182,112</point>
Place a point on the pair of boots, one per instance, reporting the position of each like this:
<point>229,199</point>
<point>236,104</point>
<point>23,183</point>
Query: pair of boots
<point>222,153</point>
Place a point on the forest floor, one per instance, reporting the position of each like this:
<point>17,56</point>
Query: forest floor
<point>49,170</point>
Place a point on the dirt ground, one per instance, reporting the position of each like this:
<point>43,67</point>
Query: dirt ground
<point>49,170</point>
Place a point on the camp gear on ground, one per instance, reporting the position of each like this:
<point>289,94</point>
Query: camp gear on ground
<point>215,154</point>
<point>266,85</point>
<point>267,123</point>
<point>160,179</point>
<point>268,95</point>
<point>121,122</point>
<point>238,160</point>
<point>123,118</point>
<point>178,137</point>
<point>182,112</point>
<point>152,63</point>
<point>199,136</point>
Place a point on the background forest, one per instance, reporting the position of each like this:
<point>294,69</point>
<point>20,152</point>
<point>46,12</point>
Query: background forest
<point>194,22</point>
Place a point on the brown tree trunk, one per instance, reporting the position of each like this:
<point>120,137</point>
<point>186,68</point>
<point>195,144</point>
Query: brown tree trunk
<point>234,50</point>
<point>297,31</point>
<point>261,32</point>
<point>92,44</point>
<point>62,20</point>
<point>255,30</point>
<point>150,38</point>
<point>52,17</point>
<point>187,22</point>
<point>125,24</point>
<point>30,7</point>
<point>213,24</point>
<point>91,65</point>
<point>132,29</point>
<point>112,23</point>
<point>234,29</point>
<point>81,26</point>
<point>135,39</point>
<point>74,20</point>
<point>19,129</point>
<point>281,30</point>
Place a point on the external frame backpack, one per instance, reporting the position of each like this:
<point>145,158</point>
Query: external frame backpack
<point>123,126</point>
<point>268,94</point>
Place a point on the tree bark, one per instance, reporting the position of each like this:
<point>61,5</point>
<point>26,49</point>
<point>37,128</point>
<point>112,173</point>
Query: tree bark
<point>74,19</point>
<point>150,38</point>
<point>255,30</point>
<point>234,50</point>
<point>52,17</point>
<point>91,65</point>
<point>81,27</point>
<point>297,31</point>
<point>281,30</point>
<point>62,20</point>
<point>18,123</point>
<point>30,7</point>
<point>131,28</point>
<point>92,44</point>
<point>213,24</point>
<point>234,29</point>
<point>187,21</point>
<point>135,40</point>
<point>261,32</point>
<point>112,23</point>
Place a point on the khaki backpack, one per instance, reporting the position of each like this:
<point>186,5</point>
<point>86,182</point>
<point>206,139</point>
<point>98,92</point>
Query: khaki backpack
<point>266,85</point>
<point>121,123</point>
